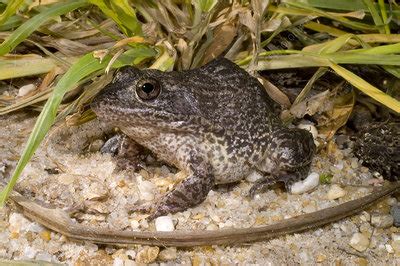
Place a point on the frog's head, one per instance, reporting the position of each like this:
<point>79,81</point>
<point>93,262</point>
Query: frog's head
<point>217,96</point>
<point>148,99</point>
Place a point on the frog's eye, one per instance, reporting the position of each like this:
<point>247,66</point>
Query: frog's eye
<point>148,89</point>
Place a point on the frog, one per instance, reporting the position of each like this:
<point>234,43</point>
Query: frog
<point>215,122</point>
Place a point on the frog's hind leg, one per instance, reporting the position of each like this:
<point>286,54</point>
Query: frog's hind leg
<point>291,150</point>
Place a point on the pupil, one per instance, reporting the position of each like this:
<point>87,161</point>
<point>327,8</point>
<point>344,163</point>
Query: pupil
<point>147,87</point>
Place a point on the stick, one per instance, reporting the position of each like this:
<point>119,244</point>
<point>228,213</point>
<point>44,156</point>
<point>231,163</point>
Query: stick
<point>59,221</point>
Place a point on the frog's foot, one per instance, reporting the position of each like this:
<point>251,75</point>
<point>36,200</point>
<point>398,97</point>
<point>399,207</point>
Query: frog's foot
<point>145,208</point>
<point>126,151</point>
<point>265,183</point>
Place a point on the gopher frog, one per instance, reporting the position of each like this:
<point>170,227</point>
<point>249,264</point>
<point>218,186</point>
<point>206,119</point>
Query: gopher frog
<point>216,122</point>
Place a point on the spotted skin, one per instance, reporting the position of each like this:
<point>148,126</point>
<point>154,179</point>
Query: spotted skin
<point>216,122</point>
<point>378,146</point>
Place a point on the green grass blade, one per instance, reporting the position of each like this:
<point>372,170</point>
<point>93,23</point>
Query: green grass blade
<point>346,22</point>
<point>319,73</point>
<point>375,14</point>
<point>122,13</point>
<point>367,88</point>
<point>346,5</point>
<point>336,44</point>
<point>382,7</point>
<point>11,23</point>
<point>85,66</point>
<point>11,9</point>
<point>32,24</point>
<point>380,50</point>
<point>207,5</point>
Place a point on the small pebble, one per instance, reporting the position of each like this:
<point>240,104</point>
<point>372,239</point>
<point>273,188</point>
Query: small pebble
<point>396,237</point>
<point>365,216</point>
<point>395,212</point>
<point>389,248</point>
<point>198,260</point>
<point>24,90</point>
<point>354,163</point>
<point>339,165</point>
<point>131,254</point>
<point>168,254</point>
<point>312,129</point>
<point>96,145</point>
<point>396,247</point>
<point>29,252</point>
<point>212,227</point>
<point>43,256</point>
<point>335,192</point>
<point>305,185</point>
<point>118,262</point>
<point>146,189</point>
<point>130,263</point>
<point>18,223</point>
<point>310,207</point>
<point>120,253</point>
<point>253,176</point>
<point>320,258</point>
<point>342,141</point>
<point>391,201</point>
<point>359,242</point>
<point>309,127</point>
<point>147,254</point>
<point>366,229</point>
<point>135,224</point>
<point>2,168</point>
<point>144,224</point>
<point>382,221</point>
<point>164,224</point>
<point>164,170</point>
<point>45,235</point>
<point>362,262</point>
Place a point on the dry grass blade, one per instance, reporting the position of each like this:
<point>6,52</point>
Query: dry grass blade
<point>14,66</point>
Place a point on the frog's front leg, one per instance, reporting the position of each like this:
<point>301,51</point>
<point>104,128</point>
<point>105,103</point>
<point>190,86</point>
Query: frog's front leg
<point>191,192</point>
<point>126,151</point>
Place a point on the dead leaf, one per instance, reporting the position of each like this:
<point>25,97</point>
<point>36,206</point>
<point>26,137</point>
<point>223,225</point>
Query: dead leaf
<point>50,76</point>
<point>332,120</point>
<point>259,6</point>
<point>100,54</point>
<point>226,34</point>
<point>317,103</point>
<point>276,94</point>
<point>186,53</point>
<point>247,20</point>
<point>272,25</point>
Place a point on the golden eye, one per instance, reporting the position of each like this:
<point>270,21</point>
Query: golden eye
<point>148,89</point>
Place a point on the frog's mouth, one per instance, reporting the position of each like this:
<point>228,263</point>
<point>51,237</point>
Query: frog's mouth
<point>150,118</point>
